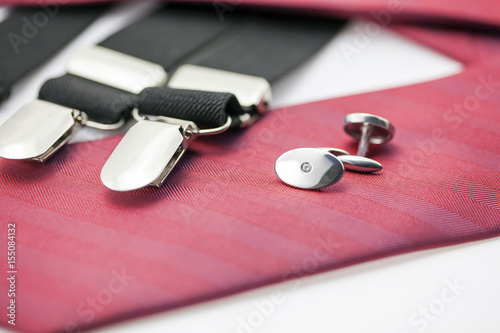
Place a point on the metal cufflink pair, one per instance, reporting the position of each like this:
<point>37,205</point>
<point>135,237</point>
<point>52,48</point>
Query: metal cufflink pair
<point>314,168</point>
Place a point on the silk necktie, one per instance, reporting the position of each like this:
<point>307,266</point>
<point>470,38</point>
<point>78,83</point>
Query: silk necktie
<point>223,223</point>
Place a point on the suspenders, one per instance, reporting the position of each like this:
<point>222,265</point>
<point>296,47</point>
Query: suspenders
<point>30,36</point>
<point>181,73</point>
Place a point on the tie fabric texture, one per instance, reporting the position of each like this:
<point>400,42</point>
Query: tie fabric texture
<point>223,223</point>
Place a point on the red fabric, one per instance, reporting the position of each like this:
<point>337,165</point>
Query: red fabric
<point>223,223</point>
<point>479,12</point>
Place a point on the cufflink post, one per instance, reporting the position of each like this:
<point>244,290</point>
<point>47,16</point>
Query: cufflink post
<point>368,129</point>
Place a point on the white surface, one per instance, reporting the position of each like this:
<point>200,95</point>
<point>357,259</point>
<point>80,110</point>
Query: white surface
<point>376,297</point>
<point>379,296</point>
<point>386,60</point>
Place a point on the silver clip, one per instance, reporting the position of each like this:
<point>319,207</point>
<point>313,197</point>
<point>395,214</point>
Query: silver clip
<point>37,131</point>
<point>41,128</point>
<point>253,92</point>
<point>150,150</point>
<point>116,69</point>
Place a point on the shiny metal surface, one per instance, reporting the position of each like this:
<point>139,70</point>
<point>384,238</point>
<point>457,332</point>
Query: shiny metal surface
<point>336,151</point>
<point>104,127</point>
<point>116,69</point>
<point>150,150</point>
<point>251,91</point>
<point>199,131</point>
<point>216,130</point>
<point>360,164</point>
<point>368,129</point>
<point>355,163</point>
<point>147,154</point>
<point>309,168</point>
<point>37,131</point>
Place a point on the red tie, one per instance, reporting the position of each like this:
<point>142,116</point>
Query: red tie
<point>224,223</point>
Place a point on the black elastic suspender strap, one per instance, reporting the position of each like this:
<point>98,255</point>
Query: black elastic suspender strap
<point>30,36</point>
<point>166,38</point>
<point>256,50</point>
<point>103,104</point>
<point>269,45</point>
<point>169,36</point>
<point>220,74</point>
<point>201,107</point>
<point>263,45</point>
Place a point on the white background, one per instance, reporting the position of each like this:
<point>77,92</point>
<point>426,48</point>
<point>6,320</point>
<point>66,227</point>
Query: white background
<point>380,296</point>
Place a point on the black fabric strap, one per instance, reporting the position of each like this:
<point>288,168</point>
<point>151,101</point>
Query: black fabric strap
<point>265,45</point>
<point>30,36</point>
<point>101,103</point>
<point>170,35</point>
<point>268,45</point>
<point>110,105</point>
<point>166,37</point>
<point>201,107</point>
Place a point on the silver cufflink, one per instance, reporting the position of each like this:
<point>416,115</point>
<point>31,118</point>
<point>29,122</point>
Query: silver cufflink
<point>368,129</point>
<point>309,168</point>
<point>314,168</point>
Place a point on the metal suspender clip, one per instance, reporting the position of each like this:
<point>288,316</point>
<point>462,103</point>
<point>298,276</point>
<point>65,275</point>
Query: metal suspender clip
<point>37,131</point>
<point>252,92</point>
<point>150,150</point>
<point>40,128</point>
<point>153,147</point>
<point>115,69</point>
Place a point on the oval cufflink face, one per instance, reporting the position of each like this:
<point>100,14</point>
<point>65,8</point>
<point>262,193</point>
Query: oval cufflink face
<point>309,168</point>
